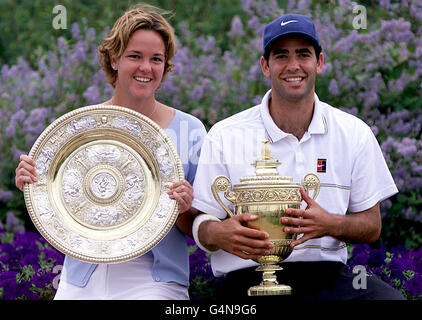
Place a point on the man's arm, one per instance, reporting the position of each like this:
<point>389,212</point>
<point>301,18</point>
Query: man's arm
<point>315,222</point>
<point>360,227</point>
<point>234,236</point>
<point>185,220</point>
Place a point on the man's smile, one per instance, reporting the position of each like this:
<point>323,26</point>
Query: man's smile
<point>293,79</point>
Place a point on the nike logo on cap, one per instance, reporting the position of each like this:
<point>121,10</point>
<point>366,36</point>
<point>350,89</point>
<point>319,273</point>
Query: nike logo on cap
<point>287,22</point>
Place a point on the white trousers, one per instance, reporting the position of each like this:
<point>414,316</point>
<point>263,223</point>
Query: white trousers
<point>130,280</point>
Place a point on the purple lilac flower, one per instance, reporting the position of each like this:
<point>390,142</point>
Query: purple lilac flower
<point>90,35</point>
<point>385,3</point>
<point>10,130</point>
<point>62,44</point>
<point>416,167</point>
<point>78,54</point>
<point>254,23</point>
<point>92,95</point>
<point>236,30</point>
<point>333,87</point>
<point>36,118</point>
<point>16,155</point>
<point>416,9</point>
<point>5,195</point>
<point>303,5</point>
<point>19,115</point>
<point>184,30</point>
<point>247,6</point>
<point>388,144</point>
<point>326,68</point>
<point>407,147</point>
<point>346,44</point>
<point>197,92</point>
<point>76,32</point>
<point>207,44</point>
<point>13,223</point>
<point>402,128</point>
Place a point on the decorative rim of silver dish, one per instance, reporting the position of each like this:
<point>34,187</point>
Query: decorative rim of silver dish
<point>123,162</point>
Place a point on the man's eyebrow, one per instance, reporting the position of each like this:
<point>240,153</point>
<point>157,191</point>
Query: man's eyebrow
<point>301,50</point>
<point>277,51</point>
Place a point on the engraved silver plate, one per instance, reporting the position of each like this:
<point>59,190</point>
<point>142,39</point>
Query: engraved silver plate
<point>101,194</point>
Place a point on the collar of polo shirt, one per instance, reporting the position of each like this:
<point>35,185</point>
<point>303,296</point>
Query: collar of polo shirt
<point>318,124</point>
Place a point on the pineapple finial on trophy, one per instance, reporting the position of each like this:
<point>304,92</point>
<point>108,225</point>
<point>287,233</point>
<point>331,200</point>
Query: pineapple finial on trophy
<point>266,152</point>
<point>266,166</point>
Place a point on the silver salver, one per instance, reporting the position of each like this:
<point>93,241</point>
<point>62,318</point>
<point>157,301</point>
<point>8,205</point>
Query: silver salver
<point>103,176</point>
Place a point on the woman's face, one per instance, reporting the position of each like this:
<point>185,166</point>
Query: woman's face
<point>140,69</point>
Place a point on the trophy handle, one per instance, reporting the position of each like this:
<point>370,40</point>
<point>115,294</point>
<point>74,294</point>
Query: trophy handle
<point>311,182</point>
<point>222,184</point>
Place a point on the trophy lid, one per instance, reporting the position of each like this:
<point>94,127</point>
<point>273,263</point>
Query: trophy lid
<point>266,170</point>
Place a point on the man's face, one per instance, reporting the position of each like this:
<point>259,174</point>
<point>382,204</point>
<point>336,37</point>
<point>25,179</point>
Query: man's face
<point>292,67</point>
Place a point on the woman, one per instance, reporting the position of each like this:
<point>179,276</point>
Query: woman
<point>136,57</point>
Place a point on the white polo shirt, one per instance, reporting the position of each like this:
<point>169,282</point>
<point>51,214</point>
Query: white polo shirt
<point>338,147</point>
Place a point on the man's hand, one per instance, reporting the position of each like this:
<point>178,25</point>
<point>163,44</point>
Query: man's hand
<point>315,222</point>
<point>233,236</point>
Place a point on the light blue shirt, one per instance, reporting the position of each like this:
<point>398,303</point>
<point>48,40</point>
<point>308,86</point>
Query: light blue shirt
<point>171,259</point>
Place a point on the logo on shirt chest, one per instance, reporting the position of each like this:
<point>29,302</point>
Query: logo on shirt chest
<point>322,165</point>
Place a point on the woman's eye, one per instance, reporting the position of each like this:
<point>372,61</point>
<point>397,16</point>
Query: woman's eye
<point>157,59</point>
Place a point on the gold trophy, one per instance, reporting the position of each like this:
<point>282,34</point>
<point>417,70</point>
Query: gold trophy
<point>267,195</point>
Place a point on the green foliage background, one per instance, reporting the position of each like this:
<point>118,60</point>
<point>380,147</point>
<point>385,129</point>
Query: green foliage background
<point>26,25</point>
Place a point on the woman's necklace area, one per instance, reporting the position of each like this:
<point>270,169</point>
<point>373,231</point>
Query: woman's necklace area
<point>153,111</point>
<point>150,115</point>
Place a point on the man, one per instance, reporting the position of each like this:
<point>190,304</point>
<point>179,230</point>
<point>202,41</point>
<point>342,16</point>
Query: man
<point>306,136</point>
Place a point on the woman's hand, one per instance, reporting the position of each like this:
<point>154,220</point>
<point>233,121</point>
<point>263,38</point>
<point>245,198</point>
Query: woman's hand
<point>182,192</point>
<point>25,172</point>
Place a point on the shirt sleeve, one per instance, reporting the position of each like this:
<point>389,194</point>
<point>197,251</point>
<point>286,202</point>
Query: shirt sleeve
<point>210,165</point>
<point>196,137</point>
<point>371,179</point>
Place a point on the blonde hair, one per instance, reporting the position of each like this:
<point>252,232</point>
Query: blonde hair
<point>142,16</point>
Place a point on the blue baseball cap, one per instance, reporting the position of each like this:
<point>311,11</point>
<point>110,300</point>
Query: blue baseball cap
<point>291,25</point>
